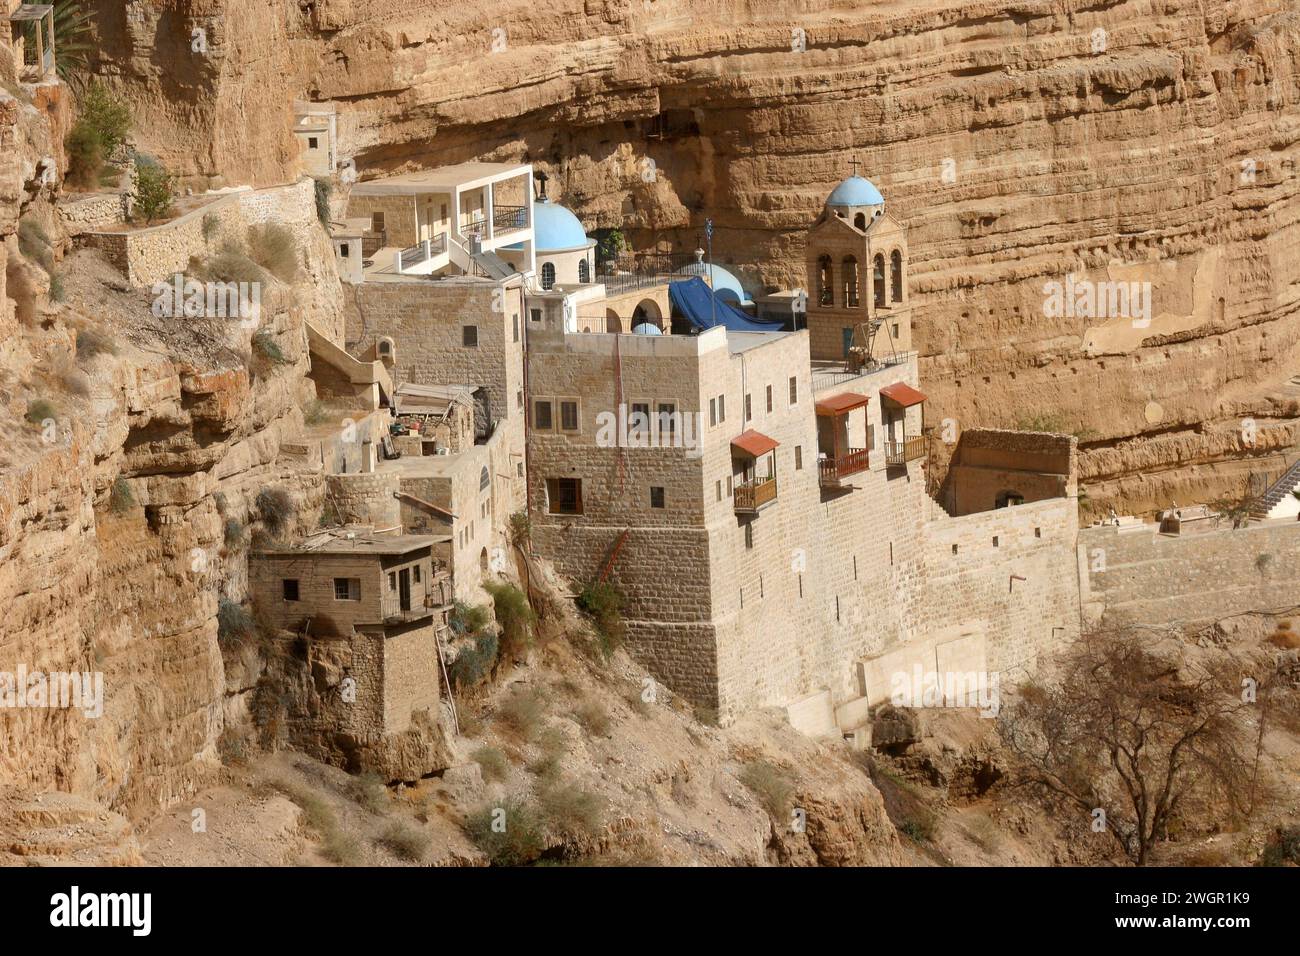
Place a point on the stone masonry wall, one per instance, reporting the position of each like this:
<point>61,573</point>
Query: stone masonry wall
<point>1148,578</point>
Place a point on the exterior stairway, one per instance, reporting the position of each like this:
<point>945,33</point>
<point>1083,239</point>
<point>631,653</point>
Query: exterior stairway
<point>1268,503</point>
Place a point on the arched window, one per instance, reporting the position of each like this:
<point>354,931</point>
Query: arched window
<point>584,270</point>
<point>548,275</point>
<point>849,276</point>
<point>896,276</point>
<point>860,220</point>
<point>483,479</point>
<point>879,280</point>
<point>1007,499</point>
<point>825,289</point>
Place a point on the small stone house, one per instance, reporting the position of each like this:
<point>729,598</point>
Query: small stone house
<point>368,609</point>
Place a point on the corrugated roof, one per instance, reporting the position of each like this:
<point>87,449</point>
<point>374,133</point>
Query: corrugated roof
<point>411,399</point>
<point>842,403</point>
<point>901,394</point>
<point>752,443</point>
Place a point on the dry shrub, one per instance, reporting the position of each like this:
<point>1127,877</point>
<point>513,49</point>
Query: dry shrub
<point>772,786</point>
<point>272,246</point>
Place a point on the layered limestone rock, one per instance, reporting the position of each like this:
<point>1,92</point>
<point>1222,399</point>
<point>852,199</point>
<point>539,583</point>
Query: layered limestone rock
<point>1133,140</point>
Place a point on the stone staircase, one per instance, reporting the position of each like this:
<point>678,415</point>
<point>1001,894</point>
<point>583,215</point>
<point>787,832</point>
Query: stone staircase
<point>1271,501</point>
<point>63,829</point>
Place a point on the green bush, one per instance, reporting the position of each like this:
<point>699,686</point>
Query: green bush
<point>154,190</point>
<point>38,410</point>
<point>265,345</point>
<point>275,508</point>
<point>604,604</point>
<point>323,190</point>
<point>510,834</point>
<point>272,247</point>
<point>234,622</point>
<point>521,528</point>
<point>474,663</point>
<point>492,762</point>
<point>771,785</point>
<point>106,117</point>
<point>514,615</point>
<point>120,498</point>
<point>468,618</point>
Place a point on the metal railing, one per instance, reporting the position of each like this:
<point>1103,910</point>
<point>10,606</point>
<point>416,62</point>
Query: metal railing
<point>831,470</point>
<point>752,495</point>
<point>642,270</point>
<point>414,255</point>
<point>509,218</point>
<point>901,452</point>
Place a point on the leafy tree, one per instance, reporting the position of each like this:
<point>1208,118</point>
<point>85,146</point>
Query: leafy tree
<point>154,190</point>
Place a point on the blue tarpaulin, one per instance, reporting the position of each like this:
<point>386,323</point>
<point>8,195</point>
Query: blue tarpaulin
<point>692,298</point>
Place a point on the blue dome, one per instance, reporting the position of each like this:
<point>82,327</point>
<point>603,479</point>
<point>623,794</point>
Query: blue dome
<point>554,227</point>
<point>725,285</point>
<point>855,191</point>
<point>645,328</point>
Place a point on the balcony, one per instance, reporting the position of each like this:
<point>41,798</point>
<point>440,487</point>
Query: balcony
<point>899,453</point>
<point>831,471</point>
<point>509,219</point>
<point>752,495</point>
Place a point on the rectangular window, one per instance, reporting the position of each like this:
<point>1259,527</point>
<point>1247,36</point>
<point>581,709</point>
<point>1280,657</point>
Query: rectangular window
<point>749,536</point>
<point>638,423</point>
<point>722,408</point>
<point>794,389</point>
<point>719,489</point>
<point>392,580</point>
<point>542,415</point>
<point>713,412</point>
<point>469,336</point>
<point>871,437</point>
<point>569,416</point>
<point>515,318</point>
<point>347,589</point>
<point>749,410</point>
<point>729,486</point>
<point>656,497</point>
<point>519,398</point>
<point>798,457</point>
<point>564,496</point>
<point>376,222</point>
<point>416,569</point>
<point>312,142</point>
<point>290,586</point>
<point>769,398</point>
<point>667,420</point>
<point>535,314</point>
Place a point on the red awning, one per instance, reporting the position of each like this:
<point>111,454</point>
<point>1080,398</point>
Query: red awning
<point>754,444</point>
<point>841,404</point>
<point>901,394</point>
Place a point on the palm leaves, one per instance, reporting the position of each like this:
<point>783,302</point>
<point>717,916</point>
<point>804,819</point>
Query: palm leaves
<point>72,41</point>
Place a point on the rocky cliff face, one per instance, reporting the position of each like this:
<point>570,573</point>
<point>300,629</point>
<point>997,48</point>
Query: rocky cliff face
<point>1121,141</point>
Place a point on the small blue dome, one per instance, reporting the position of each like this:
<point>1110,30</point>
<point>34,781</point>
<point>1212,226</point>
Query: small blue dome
<point>555,228</point>
<point>855,191</point>
<point>725,285</point>
<point>645,328</point>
